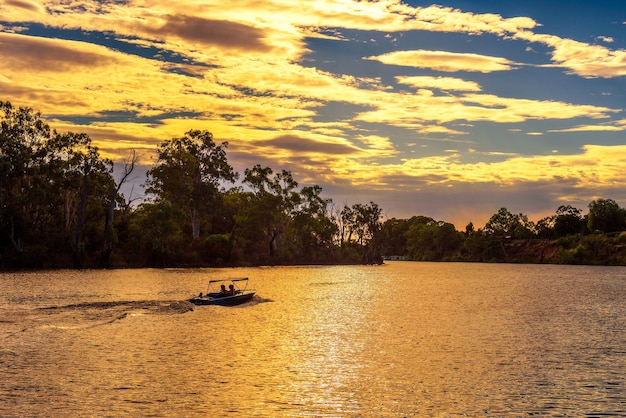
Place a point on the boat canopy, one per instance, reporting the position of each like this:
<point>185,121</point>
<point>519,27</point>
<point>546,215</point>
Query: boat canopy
<point>240,283</point>
<point>242,279</point>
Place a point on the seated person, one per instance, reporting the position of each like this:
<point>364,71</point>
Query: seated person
<point>233,291</point>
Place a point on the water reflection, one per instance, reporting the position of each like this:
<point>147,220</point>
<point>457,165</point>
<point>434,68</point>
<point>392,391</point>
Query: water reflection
<point>306,349</point>
<point>404,339</point>
<point>325,345</point>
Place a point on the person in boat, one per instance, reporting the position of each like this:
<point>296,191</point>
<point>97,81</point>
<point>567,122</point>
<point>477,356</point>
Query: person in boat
<point>223,289</point>
<point>232,291</point>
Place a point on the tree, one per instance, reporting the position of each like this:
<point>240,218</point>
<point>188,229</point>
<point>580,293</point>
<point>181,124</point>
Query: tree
<point>112,202</point>
<point>430,240</point>
<point>23,135</point>
<point>505,224</point>
<point>156,230</point>
<point>394,239</point>
<point>274,199</point>
<point>605,215</point>
<point>50,190</point>
<point>88,181</point>
<point>367,224</point>
<point>312,228</point>
<point>473,246</point>
<point>545,227</point>
<point>567,221</point>
<point>348,224</point>
<point>189,173</point>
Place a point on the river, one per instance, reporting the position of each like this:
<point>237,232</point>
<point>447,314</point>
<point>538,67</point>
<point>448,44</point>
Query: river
<point>402,339</point>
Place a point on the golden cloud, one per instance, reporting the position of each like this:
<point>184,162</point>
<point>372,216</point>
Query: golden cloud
<point>447,19</point>
<point>28,6</point>
<point>439,83</point>
<point>591,128</point>
<point>49,55</point>
<point>272,26</point>
<point>444,61</point>
<point>238,73</point>
<point>211,32</point>
<point>379,145</point>
<point>400,109</point>
<point>595,167</point>
<point>581,58</point>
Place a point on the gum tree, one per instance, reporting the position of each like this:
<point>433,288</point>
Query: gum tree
<point>189,173</point>
<point>50,191</point>
<point>605,215</point>
<point>271,204</point>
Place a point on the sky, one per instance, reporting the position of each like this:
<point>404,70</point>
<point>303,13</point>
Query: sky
<point>450,110</point>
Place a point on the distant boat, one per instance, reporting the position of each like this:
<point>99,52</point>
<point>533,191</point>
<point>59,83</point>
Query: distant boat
<point>394,258</point>
<point>226,292</point>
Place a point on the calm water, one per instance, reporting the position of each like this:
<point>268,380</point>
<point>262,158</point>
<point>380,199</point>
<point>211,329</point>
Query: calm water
<point>399,340</point>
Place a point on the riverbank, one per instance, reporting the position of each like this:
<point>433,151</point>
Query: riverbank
<point>594,249</point>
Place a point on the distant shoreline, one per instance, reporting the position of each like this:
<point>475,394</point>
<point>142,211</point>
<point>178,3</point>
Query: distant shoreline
<point>590,250</point>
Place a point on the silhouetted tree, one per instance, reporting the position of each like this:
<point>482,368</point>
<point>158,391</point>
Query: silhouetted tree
<point>430,240</point>
<point>273,200</point>
<point>506,224</point>
<point>50,190</point>
<point>189,173</point>
<point>605,215</point>
<point>568,220</point>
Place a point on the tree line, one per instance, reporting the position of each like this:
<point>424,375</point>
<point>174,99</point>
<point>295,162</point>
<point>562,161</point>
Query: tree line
<point>62,207</point>
<point>567,237</point>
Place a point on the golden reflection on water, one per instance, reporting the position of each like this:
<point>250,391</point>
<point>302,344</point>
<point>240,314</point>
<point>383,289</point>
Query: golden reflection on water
<point>404,339</point>
<point>325,345</point>
<point>305,349</point>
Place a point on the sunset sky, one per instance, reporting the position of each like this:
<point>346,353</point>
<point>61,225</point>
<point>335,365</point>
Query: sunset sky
<point>449,110</point>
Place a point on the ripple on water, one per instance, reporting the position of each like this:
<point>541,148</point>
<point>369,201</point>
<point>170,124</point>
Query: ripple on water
<point>400,340</point>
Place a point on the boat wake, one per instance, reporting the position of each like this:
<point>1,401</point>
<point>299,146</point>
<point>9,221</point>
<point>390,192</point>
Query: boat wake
<point>258,299</point>
<point>157,306</point>
<point>118,310</point>
<point>88,315</point>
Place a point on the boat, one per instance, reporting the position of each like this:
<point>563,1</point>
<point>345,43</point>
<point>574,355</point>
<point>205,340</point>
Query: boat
<point>225,292</point>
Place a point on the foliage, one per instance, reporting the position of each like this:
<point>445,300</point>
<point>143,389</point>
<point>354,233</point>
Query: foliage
<point>189,172</point>
<point>53,188</point>
<point>568,220</point>
<point>430,240</point>
<point>506,224</point>
<point>61,207</point>
<point>605,215</point>
<point>393,236</point>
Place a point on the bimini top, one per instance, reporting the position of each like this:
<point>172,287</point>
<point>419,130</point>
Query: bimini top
<point>242,279</point>
<point>240,283</point>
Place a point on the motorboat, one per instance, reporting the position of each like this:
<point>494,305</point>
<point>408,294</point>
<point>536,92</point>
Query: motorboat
<point>225,292</point>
